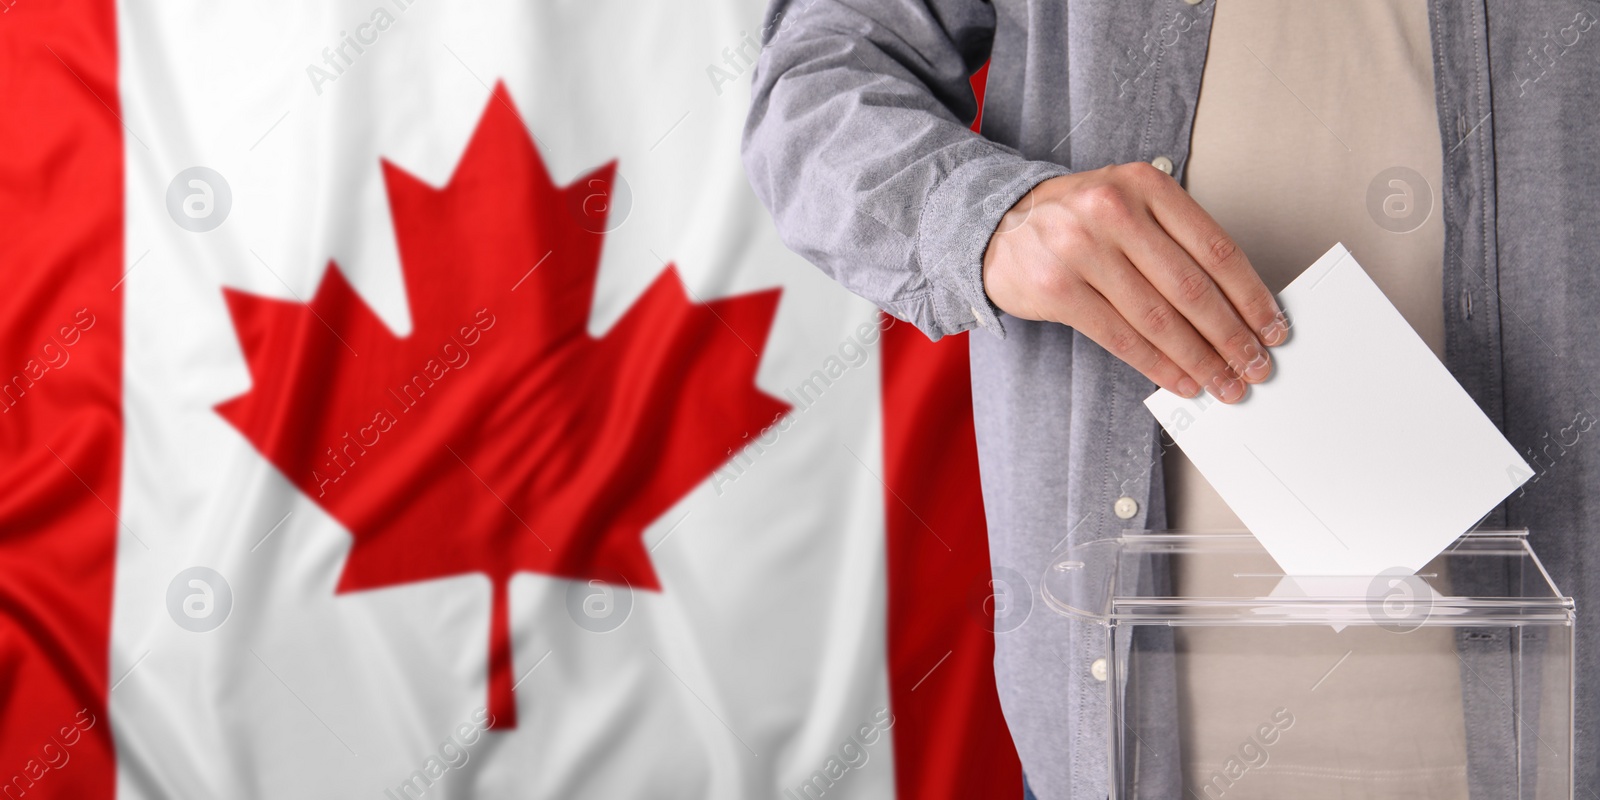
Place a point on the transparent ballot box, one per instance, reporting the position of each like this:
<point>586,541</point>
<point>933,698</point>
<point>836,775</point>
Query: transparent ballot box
<point>1225,679</point>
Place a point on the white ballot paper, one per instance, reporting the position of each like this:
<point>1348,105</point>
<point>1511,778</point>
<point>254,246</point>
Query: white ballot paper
<point>1360,453</point>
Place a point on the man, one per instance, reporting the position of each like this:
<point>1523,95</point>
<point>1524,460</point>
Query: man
<point>1449,143</point>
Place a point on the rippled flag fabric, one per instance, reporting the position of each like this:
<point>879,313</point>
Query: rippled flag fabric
<point>411,400</point>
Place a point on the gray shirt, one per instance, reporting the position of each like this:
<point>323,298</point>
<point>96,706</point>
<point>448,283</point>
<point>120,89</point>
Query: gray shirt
<point>857,143</point>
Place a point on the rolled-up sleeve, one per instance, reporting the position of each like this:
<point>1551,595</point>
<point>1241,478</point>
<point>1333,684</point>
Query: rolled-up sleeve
<point>855,143</point>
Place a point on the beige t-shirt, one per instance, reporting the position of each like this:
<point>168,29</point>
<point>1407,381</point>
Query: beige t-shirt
<point>1304,104</point>
<point>1317,124</point>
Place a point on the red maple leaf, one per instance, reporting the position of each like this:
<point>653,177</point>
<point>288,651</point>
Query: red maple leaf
<point>499,436</point>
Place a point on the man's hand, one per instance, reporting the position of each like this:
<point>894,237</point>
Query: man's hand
<point>1125,256</point>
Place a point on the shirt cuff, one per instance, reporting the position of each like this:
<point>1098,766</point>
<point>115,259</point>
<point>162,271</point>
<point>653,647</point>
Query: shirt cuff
<point>958,218</point>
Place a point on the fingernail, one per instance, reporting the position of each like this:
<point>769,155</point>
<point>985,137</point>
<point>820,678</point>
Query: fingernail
<point>1187,387</point>
<point>1227,389</point>
<point>1259,367</point>
<point>1276,331</point>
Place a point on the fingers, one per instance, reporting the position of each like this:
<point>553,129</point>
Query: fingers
<point>1161,324</point>
<point>1215,252</point>
<point>1097,319</point>
<point>1126,257</point>
<point>1233,351</point>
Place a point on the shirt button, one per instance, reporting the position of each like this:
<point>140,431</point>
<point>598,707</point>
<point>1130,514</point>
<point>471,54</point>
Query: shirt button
<point>1162,163</point>
<point>1126,507</point>
<point>1098,670</point>
<point>977,316</point>
<point>1192,2</point>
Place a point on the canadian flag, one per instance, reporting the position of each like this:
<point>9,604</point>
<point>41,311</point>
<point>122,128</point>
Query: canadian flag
<point>410,399</point>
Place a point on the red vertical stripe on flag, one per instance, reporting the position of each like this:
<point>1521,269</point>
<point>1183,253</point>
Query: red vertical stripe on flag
<point>61,177</point>
<point>979,81</point>
<point>950,740</point>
